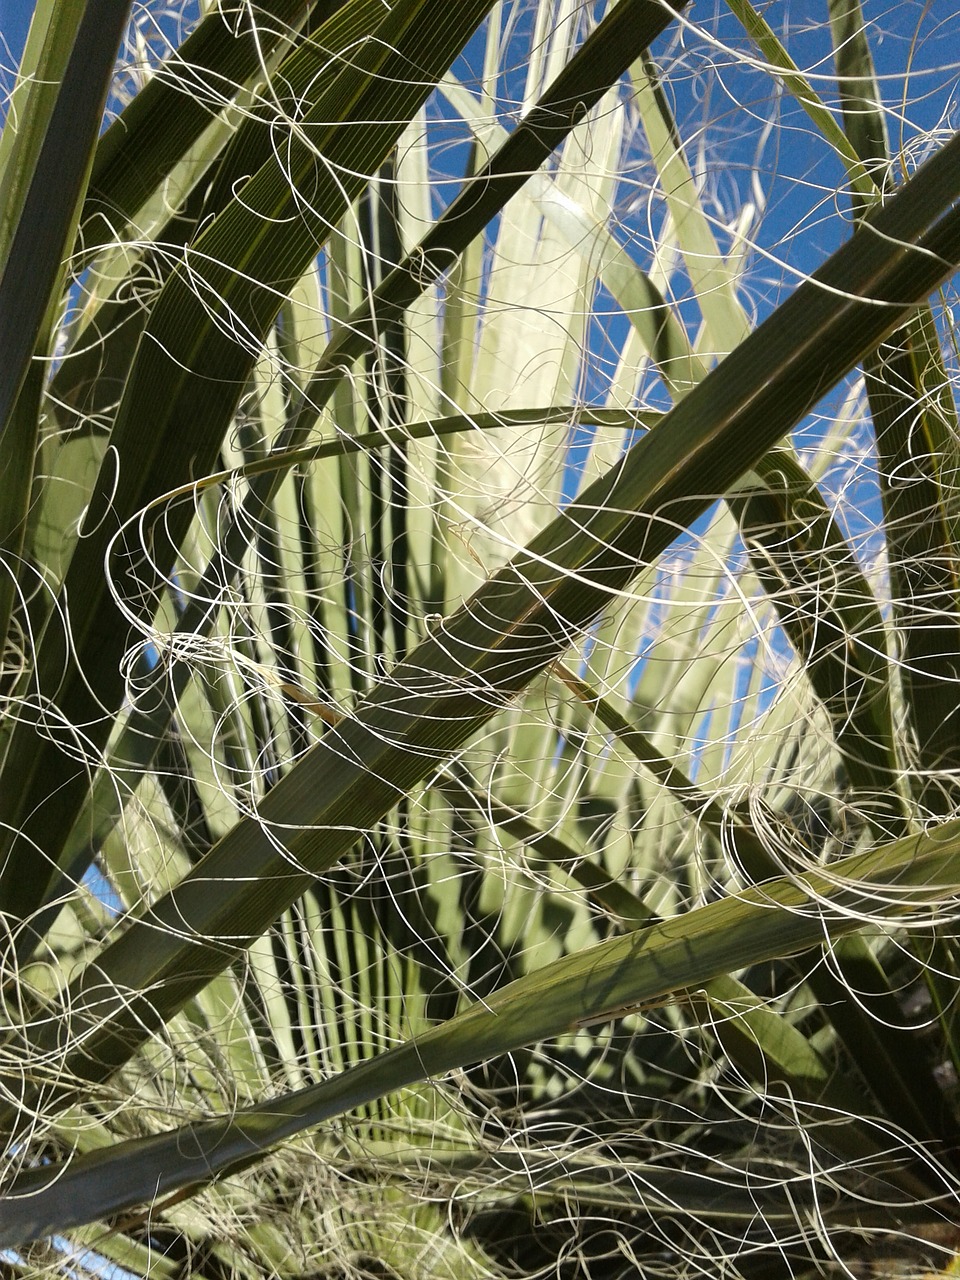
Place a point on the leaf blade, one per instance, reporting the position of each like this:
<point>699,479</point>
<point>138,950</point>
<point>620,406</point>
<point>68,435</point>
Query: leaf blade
<point>639,970</point>
<point>518,622</point>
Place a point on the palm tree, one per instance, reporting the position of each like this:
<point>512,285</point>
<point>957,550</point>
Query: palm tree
<point>411,866</point>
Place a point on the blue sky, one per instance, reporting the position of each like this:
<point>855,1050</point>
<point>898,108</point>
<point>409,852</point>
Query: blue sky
<point>14,22</point>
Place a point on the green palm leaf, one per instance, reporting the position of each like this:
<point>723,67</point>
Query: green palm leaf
<point>612,980</point>
<point>173,418</point>
<point>519,622</point>
<point>447,791</point>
